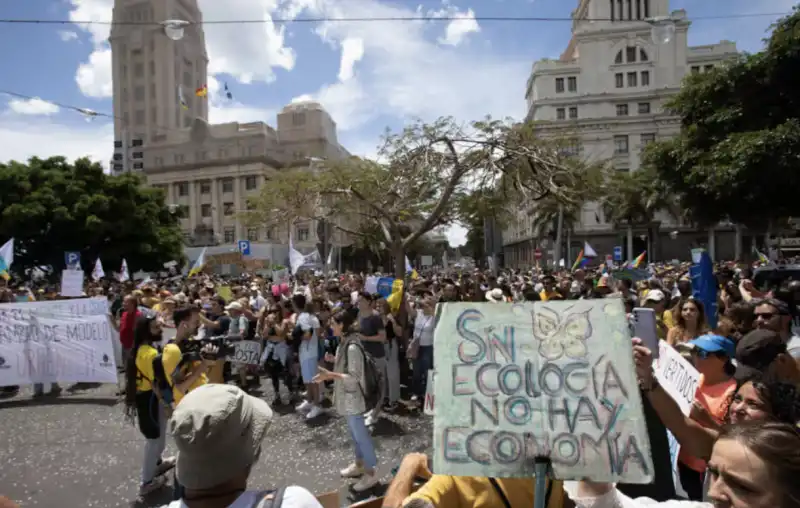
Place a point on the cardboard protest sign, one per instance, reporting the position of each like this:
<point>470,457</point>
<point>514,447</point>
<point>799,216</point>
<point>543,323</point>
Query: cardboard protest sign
<point>543,379</point>
<point>428,406</point>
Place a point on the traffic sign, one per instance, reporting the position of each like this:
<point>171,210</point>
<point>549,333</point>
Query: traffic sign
<point>618,253</point>
<point>244,247</point>
<point>72,260</point>
<point>537,253</point>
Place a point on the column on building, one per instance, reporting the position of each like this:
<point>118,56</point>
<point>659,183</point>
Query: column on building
<point>194,215</point>
<point>171,194</point>
<point>216,206</point>
<point>237,205</point>
<point>262,180</point>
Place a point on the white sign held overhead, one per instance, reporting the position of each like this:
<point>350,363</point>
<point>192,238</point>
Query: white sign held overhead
<point>72,283</point>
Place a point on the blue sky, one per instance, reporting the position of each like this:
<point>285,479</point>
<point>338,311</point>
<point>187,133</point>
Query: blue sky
<point>368,75</point>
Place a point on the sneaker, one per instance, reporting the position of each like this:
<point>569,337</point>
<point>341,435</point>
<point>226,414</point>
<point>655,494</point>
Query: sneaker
<point>366,482</point>
<point>314,412</point>
<point>150,487</point>
<point>352,471</point>
<point>304,406</point>
<point>369,421</point>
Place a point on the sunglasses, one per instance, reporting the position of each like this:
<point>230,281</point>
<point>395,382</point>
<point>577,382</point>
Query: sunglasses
<point>766,316</point>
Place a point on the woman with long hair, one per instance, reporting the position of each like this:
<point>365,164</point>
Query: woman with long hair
<point>143,403</point>
<point>349,387</point>
<point>690,322</point>
<point>277,353</point>
<point>752,465</point>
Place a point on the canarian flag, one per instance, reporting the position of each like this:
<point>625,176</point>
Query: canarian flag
<point>6,258</point>
<point>124,275</point>
<point>762,258</point>
<point>638,261</point>
<point>202,91</point>
<point>97,272</point>
<point>199,264</point>
<point>410,269</point>
<point>182,99</point>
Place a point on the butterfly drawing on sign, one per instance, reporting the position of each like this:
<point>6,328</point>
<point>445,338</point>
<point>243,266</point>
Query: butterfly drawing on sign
<point>559,335</point>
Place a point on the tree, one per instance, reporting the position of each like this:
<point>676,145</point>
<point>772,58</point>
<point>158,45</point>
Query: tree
<point>738,150</point>
<point>413,186</point>
<point>51,206</point>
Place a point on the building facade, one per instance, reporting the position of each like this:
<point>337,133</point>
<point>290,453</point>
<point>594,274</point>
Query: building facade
<point>607,91</point>
<point>207,171</point>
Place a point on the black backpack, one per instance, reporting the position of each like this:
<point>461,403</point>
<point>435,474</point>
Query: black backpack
<point>372,378</point>
<point>275,501</point>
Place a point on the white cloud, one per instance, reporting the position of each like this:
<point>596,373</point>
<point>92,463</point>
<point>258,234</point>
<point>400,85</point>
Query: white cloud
<point>33,106</point>
<point>94,77</point>
<point>352,53</point>
<point>68,35</point>
<point>462,24</point>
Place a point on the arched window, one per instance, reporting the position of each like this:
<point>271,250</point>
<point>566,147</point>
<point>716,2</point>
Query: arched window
<point>618,59</point>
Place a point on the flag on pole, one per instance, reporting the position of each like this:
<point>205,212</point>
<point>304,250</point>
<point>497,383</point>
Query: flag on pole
<point>6,258</point>
<point>329,261</point>
<point>202,91</point>
<point>228,93</point>
<point>296,258</point>
<point>588,251</point>
<point>580,261</point>
<point>98,272</point>
<point>410,269</point>
<point>199,264</point>
<point>638,261</point>
<point>762,258</point>
<point>123,272</point>
<point>182,99</point>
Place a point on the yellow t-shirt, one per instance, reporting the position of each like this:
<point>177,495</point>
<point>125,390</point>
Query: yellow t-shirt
<point>171,357</point>
<point>444,491</point>
<point>144,368</point>
<point>552,295</point>
<point>669,321</point>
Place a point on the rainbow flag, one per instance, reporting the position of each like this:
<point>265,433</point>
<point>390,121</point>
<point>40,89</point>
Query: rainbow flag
<point>580,261</point>
<point>638,261</point>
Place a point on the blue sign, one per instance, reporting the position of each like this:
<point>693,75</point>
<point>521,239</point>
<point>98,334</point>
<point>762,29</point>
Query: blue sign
<point>244,247</point>
<point>72,260</point>
<point>618,253</point>
<point>704,285</point>
<point>385,286</point>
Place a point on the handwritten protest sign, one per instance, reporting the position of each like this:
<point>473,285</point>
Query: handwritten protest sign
<point>56,341</point>
<point>246,351</point>
<point>430,397</point>
<point>520,381</point>
<point>680,380</point>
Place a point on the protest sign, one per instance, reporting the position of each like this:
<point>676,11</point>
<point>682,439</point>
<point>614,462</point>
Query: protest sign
<point>246,351</point>
<point>680,380</point>
<point>72,283</point>
<point>556,380</point>
<point>56,341</point>
<point>429,395</point>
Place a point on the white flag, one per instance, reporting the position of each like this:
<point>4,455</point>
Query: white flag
<point>98,272</point>
<point>296,258</point>
<point>329,261</point>
<point>588,251</point>
<point>123,272</point>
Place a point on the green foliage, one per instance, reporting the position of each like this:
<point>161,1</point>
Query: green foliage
<point>739,147</point>
<point>634,198</point>
<point>51,206</point>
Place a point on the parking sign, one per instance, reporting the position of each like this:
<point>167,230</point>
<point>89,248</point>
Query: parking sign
<point>72,260</point>
<point>618,253</point>
<point>244,247</point>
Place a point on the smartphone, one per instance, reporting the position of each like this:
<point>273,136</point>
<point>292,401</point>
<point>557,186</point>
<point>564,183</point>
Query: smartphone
<point>644,327</point>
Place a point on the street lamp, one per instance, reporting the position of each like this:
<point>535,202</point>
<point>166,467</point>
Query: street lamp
<point>662,29</point>
<point>174,28</point>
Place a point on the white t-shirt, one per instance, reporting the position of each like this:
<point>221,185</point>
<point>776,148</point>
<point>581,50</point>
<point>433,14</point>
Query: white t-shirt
<point>423,328</point>
<point>293,497</point>
<point>309,348</point>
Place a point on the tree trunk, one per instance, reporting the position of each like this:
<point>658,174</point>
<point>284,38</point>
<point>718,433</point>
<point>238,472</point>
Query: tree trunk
<point>399,255</point>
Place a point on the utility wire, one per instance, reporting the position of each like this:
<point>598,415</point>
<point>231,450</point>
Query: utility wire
<point>325,19</point>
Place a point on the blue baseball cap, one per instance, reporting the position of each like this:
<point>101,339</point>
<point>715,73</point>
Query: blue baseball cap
<point>712,343</point>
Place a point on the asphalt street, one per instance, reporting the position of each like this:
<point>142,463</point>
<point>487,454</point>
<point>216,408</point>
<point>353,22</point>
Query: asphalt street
<point>78,450</point>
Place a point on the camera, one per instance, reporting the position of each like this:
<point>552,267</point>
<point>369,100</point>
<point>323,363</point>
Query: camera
<point>192,349</point>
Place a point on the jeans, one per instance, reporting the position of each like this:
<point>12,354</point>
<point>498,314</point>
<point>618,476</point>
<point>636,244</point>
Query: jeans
<point>392,391</point>
<point>422,364</point>
<point>153,448</point>
<point>380,364</point>
<point>38,388</point>
<point>365,450</point>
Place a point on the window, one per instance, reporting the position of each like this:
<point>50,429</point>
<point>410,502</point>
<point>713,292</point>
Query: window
<point>559,85</point>
<point>572,84</point>
<point>184,211</point>
<point>620,145</point>
<point>252,234</point>
<point>250,182</point>
<point>645,78</point>
<point>298,119</point>
<point>630,54</point>
<point>138,70</point>
<point>201,155</point>
<point>573,112</point>
<point>205,210</point>
<point>178,158</point>
<point>138,117</point>
<point>205,187</point>
<point>618,59</point>
<point>622,110</point>
<point>228,209</point>
<point>152,67</point>
<point>620,80</point>
<point>644,108</point>
<point>159,161</point>
<point>302,234</point>
<point>223,153</point>
<point>138,93</point>
<point>230,235</point>
<point>632,79</point>
<point>183,188</point>
<point>646,139</point>
<point>561,114</point>
<point>227,185</point>
<point>643,55</point>
<point>708,68</point>
<point>270,233</point>
<point>695,69</point>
